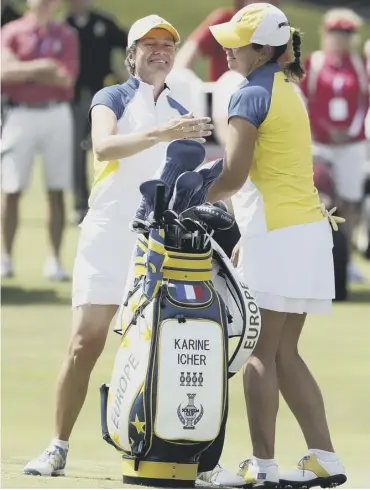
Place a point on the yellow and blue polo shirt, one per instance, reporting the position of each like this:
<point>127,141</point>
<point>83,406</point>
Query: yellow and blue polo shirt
<point>279,191</point>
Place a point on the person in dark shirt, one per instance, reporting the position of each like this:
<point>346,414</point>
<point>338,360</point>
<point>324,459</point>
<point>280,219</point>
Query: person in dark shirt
<point>98,35</point>
<point>8,13</point>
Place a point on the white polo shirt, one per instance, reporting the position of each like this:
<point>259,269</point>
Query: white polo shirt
<point>115,191</point>
<point>223,89</point>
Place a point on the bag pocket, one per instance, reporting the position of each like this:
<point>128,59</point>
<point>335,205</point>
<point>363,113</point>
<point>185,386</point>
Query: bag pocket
<point>191,380</point>
<point>189,294</point>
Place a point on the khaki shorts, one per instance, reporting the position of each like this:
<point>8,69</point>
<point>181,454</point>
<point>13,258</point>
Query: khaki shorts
<point>31,131</point>
<point>348,163</point>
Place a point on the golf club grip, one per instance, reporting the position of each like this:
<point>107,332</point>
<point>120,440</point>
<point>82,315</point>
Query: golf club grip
<point>159,203</point>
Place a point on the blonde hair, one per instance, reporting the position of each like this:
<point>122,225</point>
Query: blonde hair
<point>336,14</point>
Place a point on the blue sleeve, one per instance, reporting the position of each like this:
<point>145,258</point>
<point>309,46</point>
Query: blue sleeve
<point>175,105</point>
<point>110,97</point>
<point>251,103</point>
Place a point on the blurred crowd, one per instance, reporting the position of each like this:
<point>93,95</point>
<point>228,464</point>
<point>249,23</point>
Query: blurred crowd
<point>52,69</point>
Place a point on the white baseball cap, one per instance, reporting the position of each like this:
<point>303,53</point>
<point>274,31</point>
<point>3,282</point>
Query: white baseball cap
<point>260,23</point>
<point>144,25</point>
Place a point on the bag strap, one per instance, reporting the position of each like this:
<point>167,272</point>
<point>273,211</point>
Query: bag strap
<point>250,331</point>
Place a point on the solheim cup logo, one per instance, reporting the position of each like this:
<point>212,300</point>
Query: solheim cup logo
<point>190,415</point>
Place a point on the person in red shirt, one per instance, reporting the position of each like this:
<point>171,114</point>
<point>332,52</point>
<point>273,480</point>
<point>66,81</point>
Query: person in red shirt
<point>202,43</point>
<point>336,88</point>
<point>39,68</point>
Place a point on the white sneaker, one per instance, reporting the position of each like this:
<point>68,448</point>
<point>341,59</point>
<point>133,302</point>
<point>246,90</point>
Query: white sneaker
<point>54,271</point>
<point>219,478</point>
<point>7,266</point>
<point>312,471</point>
<point>257,476</point>
<point>50,463</point>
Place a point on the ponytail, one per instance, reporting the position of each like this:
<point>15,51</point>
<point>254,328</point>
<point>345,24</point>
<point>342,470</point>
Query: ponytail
<point>293,69</point>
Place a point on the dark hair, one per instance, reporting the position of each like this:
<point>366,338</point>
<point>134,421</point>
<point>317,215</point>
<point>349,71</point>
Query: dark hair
<point>292,69</point>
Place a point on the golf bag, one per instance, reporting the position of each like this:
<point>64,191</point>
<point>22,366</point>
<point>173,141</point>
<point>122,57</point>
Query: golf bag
<point>166,405</point>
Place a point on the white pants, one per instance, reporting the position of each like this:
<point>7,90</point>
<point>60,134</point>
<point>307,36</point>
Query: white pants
<point>28,131</point>
<point>348,164</point>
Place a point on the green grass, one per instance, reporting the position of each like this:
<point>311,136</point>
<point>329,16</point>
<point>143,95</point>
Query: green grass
<point>36,325</point>
<point>186,18</point>
<point>35,331</point>
<point>301,14</point>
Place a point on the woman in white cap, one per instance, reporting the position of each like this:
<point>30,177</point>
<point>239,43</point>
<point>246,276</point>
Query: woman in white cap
<point>286,246</point>
<point>132,125</point>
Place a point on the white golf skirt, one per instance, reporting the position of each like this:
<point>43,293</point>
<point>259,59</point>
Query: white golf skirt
<point>103,263</point>
<point>291,269</point>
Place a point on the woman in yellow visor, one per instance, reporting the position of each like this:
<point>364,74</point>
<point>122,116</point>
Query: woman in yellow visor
<point>285,253</point>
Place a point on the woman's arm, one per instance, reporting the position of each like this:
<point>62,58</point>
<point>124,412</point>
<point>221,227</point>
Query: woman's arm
<point>241,139</point>
<point>108,145</point>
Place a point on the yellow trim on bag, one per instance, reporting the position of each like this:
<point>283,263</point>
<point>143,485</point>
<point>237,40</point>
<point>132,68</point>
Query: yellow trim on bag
<point>179,266</point>
<point>142,246</point>
<point>157,247</point>
<point>178,263</point>
<point>192,276</point>
<point>183,255</point>
<point>140,270</point>
<point>165,471</point>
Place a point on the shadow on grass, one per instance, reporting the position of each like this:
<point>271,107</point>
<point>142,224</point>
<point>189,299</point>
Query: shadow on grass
<point>359,296</point>
<point>15,295</point>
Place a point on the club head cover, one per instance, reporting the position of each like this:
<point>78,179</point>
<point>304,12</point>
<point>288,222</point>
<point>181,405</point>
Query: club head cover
<point>188,184</point>
<point>182,156</point>
<point>210,175</point>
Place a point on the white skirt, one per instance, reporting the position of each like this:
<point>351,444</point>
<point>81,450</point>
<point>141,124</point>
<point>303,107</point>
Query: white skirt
<point>291,269</point>
<point>103,262</point>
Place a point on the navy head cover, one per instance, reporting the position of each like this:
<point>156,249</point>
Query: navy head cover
<point>182,156</point>
<point>210,174</point>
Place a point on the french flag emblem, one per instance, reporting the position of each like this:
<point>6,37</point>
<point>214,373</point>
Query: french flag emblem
<point>189,291</point>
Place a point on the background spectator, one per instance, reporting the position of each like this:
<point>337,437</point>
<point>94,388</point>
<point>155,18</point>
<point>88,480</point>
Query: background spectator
<point>98,35</point>
<point>336,89</point>
<point>39,66</point>
<point>202,43</point>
